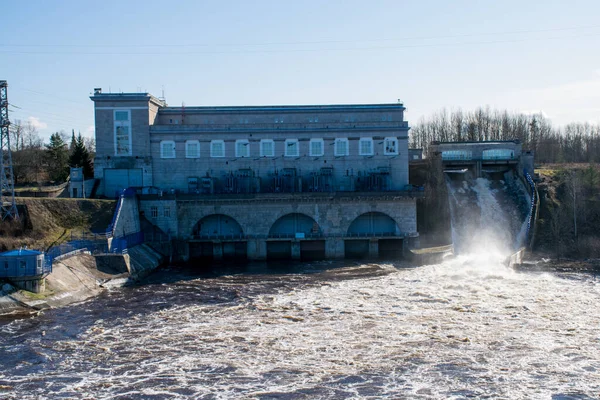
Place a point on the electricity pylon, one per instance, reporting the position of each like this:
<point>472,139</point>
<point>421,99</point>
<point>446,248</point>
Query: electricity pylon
<point>8,207</point>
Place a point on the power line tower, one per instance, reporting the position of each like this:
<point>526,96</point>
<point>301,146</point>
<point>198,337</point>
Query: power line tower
<point>8,207</point>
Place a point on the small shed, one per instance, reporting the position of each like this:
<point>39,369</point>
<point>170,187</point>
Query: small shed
<point>415,154</point>
<point>77,184</point>
<point>25,268</point>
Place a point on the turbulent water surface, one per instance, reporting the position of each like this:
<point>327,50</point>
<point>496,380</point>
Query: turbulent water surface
<point>465,328</point>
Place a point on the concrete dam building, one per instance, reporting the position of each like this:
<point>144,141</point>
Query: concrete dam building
<point>258,182</point>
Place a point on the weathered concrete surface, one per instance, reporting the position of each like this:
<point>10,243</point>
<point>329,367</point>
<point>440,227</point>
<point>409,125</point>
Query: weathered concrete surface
<point>516,258</point>
<point>431,255</point>
<point>72,280</point>
<point>80,277</point>
<point>142,261</point>
<point>8,303</point>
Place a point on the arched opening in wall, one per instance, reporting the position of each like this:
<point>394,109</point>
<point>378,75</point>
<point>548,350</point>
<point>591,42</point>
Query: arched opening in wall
<point>218,226</point>
<point>382,237</point>
<point>295,236</point>
<point>217,237</point>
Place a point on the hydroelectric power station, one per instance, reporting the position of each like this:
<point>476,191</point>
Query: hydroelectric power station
<point>259,182</point>
<point>271,182</point>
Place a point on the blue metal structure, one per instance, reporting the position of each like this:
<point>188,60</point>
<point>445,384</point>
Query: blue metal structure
<point>23,263</point>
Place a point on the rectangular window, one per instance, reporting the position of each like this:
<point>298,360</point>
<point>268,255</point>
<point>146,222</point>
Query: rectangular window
<point>242,148</point>
<point>365,147</point>
<point>192,149</point>
<point>341,147</point>
<point>122,122</point>
<point>6,264</point>
<point>390,146</point>
<point>154,212</point>
<point>22,264</point>
<point>291,148</point>
<point>217,148</point>
<point>167,211</point>
<point>317,147</point>
<point>267,148</point>
<point>167,149</point>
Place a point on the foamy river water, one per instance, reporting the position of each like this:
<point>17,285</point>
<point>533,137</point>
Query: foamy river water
<point>466,328</point>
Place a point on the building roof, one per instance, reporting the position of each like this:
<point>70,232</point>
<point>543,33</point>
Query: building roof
<point>477,142</point>
<point>283,108</point>
<point>99,96</point>
<point>20,252</point>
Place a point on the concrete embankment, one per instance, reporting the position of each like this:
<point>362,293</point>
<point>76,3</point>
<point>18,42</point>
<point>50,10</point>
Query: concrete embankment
<point>430,255</point>
<point>80,277</point>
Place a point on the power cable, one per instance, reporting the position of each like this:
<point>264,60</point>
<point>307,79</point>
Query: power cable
<point>172,53</point>
<point>312,42</point>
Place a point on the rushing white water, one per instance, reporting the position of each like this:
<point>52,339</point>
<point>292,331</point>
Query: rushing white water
<point>485,215</point>
<point>466,328</point>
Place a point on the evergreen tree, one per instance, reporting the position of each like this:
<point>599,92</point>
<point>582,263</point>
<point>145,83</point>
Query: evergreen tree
<point>80,157</point>
<point>57,154</point>
<point>73,141</point>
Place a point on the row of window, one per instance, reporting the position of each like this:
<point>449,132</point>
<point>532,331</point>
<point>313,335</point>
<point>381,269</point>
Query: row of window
<point>494,154</point>
<point>316,148</point>
<point>280,120</point>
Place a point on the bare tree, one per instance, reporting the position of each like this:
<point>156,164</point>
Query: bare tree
<point>16,135</point>
<point>90,144</point>
<point>31,137</point>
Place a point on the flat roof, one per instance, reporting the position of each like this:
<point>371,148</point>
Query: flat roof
<point>127,97</point>
<point>515,141</point>
<point>20,252</point>
<point>284,108</point>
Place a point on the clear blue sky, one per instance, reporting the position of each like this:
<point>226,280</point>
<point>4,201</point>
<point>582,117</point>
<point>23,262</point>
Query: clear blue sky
<point>521,55</point>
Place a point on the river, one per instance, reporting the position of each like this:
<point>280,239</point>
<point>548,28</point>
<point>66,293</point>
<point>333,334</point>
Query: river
<point>465,328</point>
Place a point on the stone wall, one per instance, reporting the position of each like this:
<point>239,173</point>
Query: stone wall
<point>334,215</point>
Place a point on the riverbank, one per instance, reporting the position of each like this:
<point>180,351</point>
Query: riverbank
<point>45,222</point>
<point>80,277</point>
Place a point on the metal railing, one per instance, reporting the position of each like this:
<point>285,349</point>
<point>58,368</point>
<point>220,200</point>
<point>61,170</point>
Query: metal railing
<point>533,209</point>
<point>295,236</point>
<point>93,246</point>
<point>231,236</point>
<point>121,244</point>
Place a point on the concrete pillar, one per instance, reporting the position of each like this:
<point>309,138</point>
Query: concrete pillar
<point>217,251</point>
<point>374,248</point>
<point>34,284</point>
<point>257,249</point>
<point>334,248</point>
<point>185,254</point>
<point>180,250</point>
<point>295,250</point>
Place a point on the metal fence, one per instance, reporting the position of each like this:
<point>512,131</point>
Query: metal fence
<point>93,246</point>
<point>121,244</point>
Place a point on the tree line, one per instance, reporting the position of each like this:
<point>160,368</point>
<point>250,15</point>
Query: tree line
<point>573,143</point>
<point>36,162</point>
